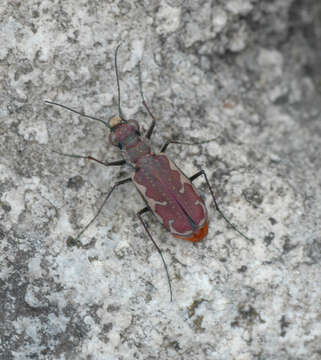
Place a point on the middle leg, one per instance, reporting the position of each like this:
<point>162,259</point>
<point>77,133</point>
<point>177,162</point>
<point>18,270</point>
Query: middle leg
<point>111,163</point>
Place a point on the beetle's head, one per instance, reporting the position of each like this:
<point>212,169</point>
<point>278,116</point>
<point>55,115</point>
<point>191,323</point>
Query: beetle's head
<point>123,132</point>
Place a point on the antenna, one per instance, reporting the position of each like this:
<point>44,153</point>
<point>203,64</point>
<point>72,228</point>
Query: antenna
<point>77,112</point>
<point>118,86</point>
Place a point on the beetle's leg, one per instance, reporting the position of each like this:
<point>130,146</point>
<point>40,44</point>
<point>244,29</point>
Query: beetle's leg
<point>111,163</point>
<point>202,172</point>
<point>139,214</point>
<point>103,204</point>
<point>164,147</point>
<point>152,125</point>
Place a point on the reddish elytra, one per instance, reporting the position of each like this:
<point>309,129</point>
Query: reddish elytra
<point>169,194</point>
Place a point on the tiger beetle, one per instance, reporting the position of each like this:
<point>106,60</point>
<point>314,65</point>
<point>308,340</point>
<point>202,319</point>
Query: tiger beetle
<point>167,192</point>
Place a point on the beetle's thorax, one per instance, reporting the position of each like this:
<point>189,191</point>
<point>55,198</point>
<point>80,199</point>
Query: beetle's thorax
<point>136,151</point>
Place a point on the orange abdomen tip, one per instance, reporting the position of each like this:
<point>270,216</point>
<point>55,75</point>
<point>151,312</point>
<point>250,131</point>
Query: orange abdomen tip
<point>197,236</point>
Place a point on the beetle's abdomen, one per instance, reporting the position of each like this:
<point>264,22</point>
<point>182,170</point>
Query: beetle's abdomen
<point>172,197</point>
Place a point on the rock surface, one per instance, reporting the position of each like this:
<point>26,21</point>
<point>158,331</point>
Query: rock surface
<point>246,73</point>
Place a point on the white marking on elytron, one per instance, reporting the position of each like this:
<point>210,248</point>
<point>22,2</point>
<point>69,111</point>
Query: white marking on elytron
<point>182,177</point>
<point>172,231</point>
<point>151,202</point>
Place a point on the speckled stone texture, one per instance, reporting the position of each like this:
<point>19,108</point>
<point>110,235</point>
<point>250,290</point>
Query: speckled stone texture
<point>245,72</point>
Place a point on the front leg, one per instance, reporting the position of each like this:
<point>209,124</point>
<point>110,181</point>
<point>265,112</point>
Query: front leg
<point>151,128</point>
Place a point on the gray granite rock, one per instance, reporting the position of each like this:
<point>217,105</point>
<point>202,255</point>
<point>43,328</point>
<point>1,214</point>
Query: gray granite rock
<point>246,73</point>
